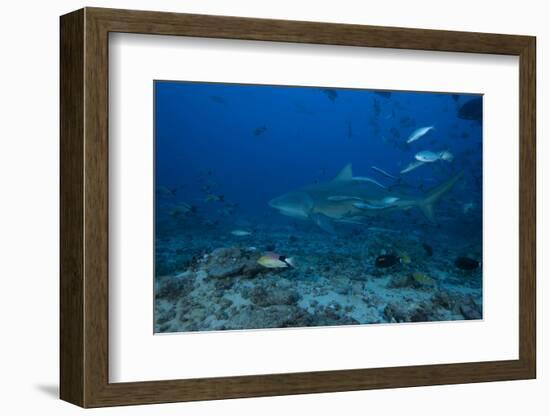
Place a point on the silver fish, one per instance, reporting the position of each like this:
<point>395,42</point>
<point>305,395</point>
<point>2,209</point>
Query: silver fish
<point>418,133</point>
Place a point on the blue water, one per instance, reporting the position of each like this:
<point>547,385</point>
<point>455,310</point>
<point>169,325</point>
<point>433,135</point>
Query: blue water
<point>225,150</point>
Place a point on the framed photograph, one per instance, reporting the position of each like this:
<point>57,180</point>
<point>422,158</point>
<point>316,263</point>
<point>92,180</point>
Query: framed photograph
<point>255,207</point>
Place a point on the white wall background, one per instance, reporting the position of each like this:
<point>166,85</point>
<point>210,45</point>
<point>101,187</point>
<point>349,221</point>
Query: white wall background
<point>29,209</point>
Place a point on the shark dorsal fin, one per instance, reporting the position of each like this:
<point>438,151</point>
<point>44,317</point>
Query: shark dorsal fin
<point>345,174</point>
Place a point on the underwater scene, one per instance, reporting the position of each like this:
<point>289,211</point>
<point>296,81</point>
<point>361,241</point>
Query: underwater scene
<point>289,206</point>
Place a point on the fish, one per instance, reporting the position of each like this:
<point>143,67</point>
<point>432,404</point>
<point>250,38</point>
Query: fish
<point>376,107</point>
<point>383,172</point>
<point>350,131</point>
<point>241,233</point>
<point>217,99</point>
<point>260,130</point>
<point>313,202</point>
<point>367,179</point>
<point>428,249</point>
<point>213,197</point>
<point>225,211</point>
<point>182,209</point>
<point>411,166</point>
<point>331,94</point>
<point>471,110</point>
<point>386,260</point>
<point>423,279</point>
<point>165,191</point>
<point>382,204</point>
<point>418,133</point>
<point>446,156</point>
<point>467,207</point>
<point>273,260</point>
<point>405,258</point>
<point>385,94</point>
<point>301,109</point>
<point>427,156</point>
<point>466,263</point>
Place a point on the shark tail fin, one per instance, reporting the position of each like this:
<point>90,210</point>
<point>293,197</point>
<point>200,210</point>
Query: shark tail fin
<point>426,205</point>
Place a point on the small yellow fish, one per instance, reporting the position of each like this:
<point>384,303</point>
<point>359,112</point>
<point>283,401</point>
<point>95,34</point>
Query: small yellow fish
<point>275,261</point>
<point>423,279</point>
<point>405,258</point>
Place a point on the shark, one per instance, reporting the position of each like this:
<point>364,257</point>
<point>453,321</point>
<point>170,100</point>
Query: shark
<point>348,199</point>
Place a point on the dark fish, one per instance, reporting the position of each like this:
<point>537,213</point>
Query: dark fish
<point>386,260</point>
<point>260,130</point>
<point>301,109</point>
<point>395,133</point>
<point>385,94</point>
<point>471,110</point>
<point>350,131</point>
<point>165,191</point>
<point>466,263</point>
<point>406,122</point>
<point>376,107</point>
<point>217,99</point>
<point>331,94</point>
<point>428,248</point>
<point>456,97</point>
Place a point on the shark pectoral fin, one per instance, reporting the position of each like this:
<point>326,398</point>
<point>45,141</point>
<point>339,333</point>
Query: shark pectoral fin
<point>323,222</point>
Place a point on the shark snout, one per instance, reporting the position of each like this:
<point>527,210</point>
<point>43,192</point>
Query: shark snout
<point>295,204</point>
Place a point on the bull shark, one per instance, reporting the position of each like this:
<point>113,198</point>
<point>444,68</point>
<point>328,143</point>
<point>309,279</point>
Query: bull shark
<point>346,199</point>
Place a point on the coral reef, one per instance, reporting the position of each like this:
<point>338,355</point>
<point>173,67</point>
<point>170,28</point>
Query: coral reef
<point>334,282</point>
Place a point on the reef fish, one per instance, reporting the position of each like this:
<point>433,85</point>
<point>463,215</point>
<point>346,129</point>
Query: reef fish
<point>467,207</point>
<point>386,260</point>
<point>217,99</point>
<point>323,202</point>
<point>385,94</point>
<point>466,263</point>
<point>165,191</point>
<point>383,172</point>
<point>240,233</point>
<point>273,260</point>
<point>382,204</point>
<point>213,197</point>
<point>472,110</point>
<point>367,179</point>
<point>428,249</point>
<point>418,133</point>
<point>182,209</point>
<point>427,156</point>
<point>260,130</point>
<point>331,94</point>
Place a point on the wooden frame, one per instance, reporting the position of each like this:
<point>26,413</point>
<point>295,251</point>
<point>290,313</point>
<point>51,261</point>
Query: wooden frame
<point>84,207</point>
